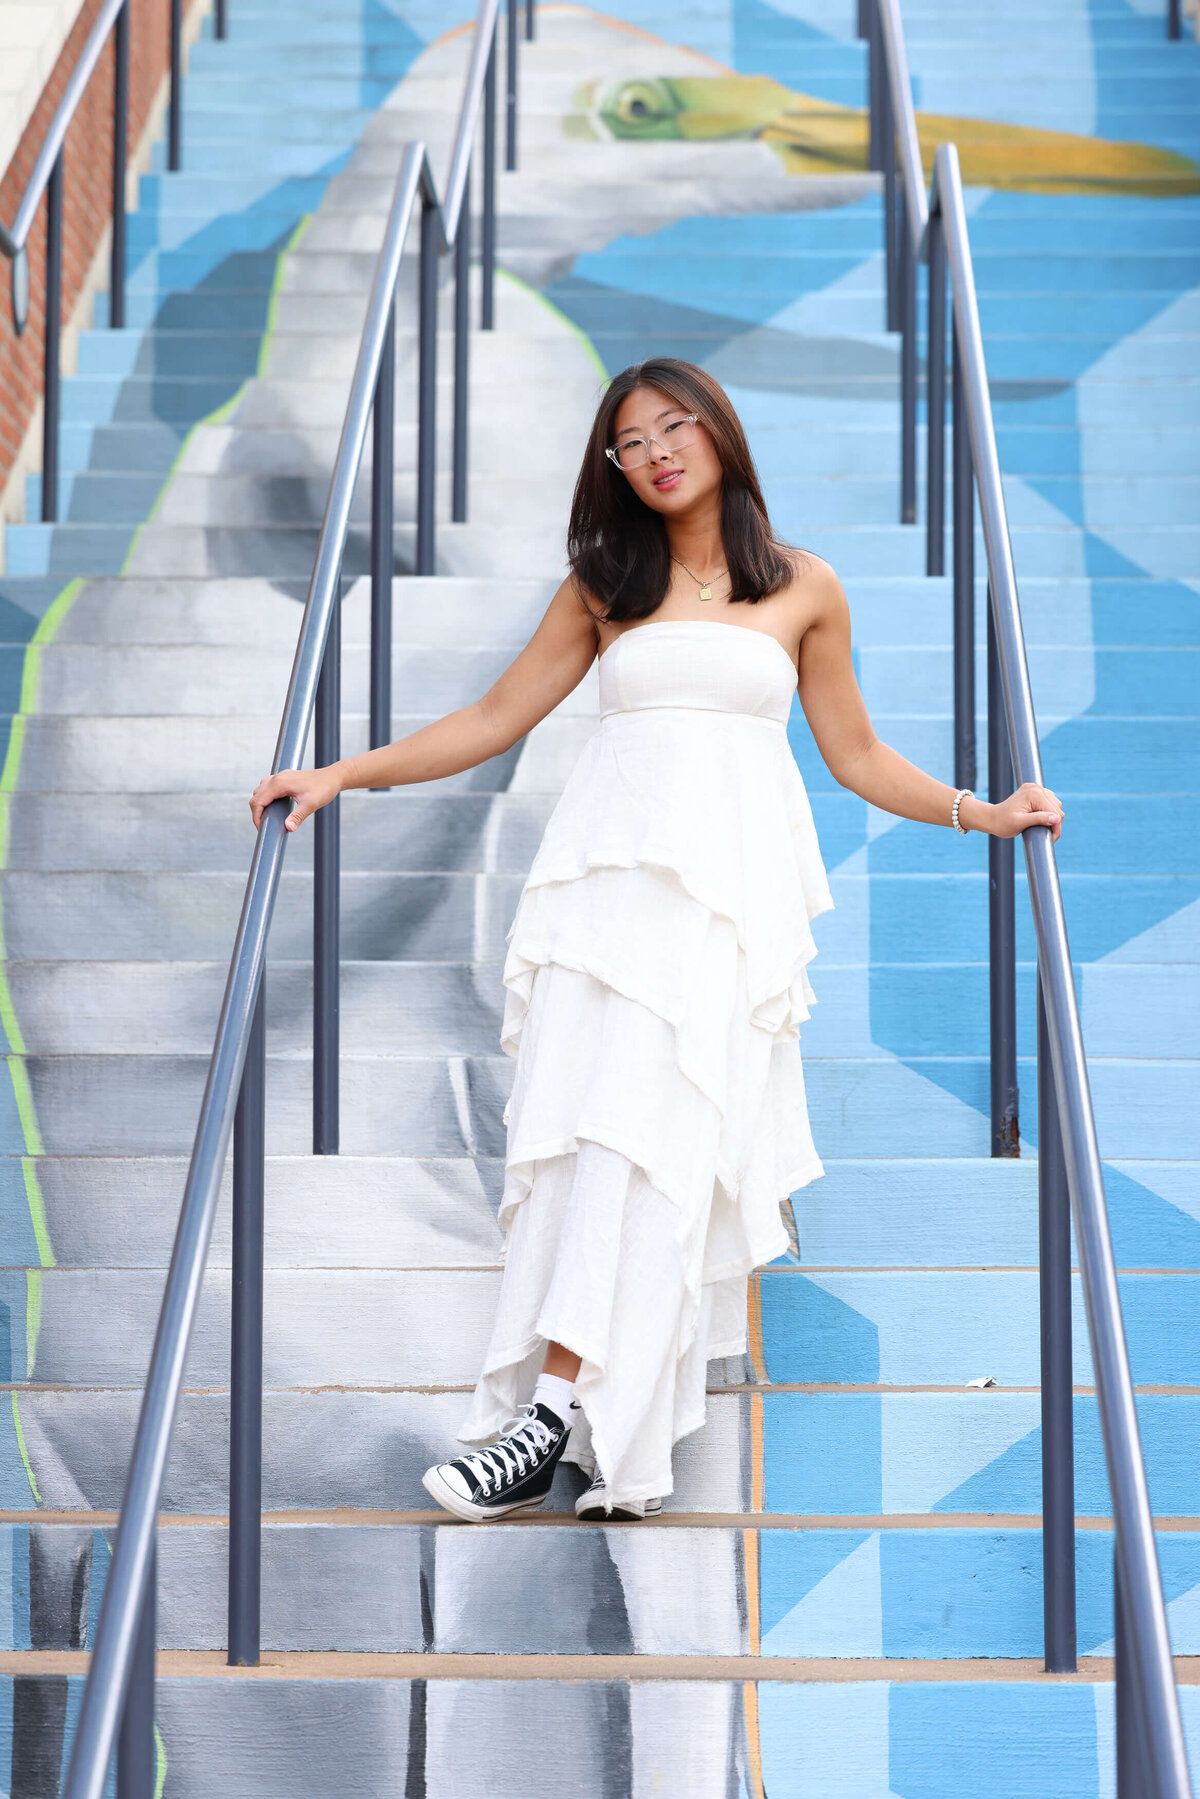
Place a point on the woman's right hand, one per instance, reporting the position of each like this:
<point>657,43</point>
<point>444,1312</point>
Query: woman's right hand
<point>309,788</point>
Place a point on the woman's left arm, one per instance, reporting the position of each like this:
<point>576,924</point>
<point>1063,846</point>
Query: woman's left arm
<point>855,756</point>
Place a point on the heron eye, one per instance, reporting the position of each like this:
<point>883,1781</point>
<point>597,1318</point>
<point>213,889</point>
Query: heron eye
<point>640,105</point>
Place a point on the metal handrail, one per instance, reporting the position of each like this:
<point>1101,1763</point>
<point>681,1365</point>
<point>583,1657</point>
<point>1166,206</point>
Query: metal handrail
<point>236,1069</point>
<point>1151,1757</point>
<point>1138,1574</point>
<point>46,179</point>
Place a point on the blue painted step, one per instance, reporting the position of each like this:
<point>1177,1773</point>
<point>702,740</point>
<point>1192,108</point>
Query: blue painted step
<point>866,1454</point>
<point>944,1328</point>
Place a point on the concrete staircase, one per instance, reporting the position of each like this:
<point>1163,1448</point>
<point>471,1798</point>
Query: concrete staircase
<point>843,1599</point>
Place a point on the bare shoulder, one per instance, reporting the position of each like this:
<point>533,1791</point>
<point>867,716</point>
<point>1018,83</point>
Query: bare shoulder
<point>566,635</point>
<point>815,595</point>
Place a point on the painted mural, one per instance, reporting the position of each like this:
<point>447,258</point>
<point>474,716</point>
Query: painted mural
<point>691,182</point>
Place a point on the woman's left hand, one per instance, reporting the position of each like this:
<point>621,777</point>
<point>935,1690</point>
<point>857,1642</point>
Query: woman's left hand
<point>1029,805</point>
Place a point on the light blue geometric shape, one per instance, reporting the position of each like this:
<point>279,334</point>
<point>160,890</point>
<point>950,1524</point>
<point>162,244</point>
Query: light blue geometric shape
<point>803,1734</point>
<point>923,1459</point>
<point>841,1615</point>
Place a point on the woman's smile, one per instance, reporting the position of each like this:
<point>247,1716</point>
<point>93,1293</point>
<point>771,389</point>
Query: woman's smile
<point>670,477</point>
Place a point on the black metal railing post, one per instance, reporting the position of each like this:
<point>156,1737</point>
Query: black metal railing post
<point>383,424</point>
<point>1058,1430</point>
<point>51,377</point>
<point>935,404</point>
<point>116,281</point>
<point>887,142</point>
<point>876,81</point>
<point>427,324</point>
<point>327,719</point>
<point>462,350</point>
<point>137,1760</point>
<point>1002,921</point>
<point>510,88</point>
<point>1174,20</point>
<point>963,551</point>
<point>530,16</point>
<point>487,226</point>
<point>175,126</point>
<point>311,715</point>
<point>221,26</point>
<point>246,1348</point>
<point>908,368</point>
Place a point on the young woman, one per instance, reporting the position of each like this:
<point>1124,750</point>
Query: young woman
<point>655,977</point>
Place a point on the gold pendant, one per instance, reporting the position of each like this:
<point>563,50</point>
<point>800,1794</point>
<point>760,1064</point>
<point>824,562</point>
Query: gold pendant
<point>706,592</point>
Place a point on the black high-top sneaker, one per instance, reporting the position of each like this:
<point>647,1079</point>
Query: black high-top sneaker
<point>513,1474</point>
<point>598,1507</point>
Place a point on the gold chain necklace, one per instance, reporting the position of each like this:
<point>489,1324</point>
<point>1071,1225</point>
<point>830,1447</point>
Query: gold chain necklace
<point>705,586</point>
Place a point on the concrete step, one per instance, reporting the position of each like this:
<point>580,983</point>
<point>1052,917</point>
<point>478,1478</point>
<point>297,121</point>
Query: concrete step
<point>222,681</point>
<point>424,1211</point>
<point>376,1587</point>
<point>255,613</point>
<point>199,754</point>
<point>897,611</point>
<point>383,1327</point>
<point>683,1729</point>
<point>78,754</point>
<point>860,1104</point>
<point>412,1007</point>
<point>299,352</point>
<point>906,931</point>
<point>128,678</point>
<point>858,1453</point>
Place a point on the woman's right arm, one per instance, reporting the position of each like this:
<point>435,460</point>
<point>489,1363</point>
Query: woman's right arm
<point>553,662</point>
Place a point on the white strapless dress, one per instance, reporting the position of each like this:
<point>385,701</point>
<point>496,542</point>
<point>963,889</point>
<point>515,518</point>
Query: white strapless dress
<point>656,979</point>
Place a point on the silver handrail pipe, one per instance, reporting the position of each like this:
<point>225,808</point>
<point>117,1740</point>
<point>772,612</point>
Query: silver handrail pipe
<point>1151,1757</point>
<point>1141,1609</point>
<point>236,1076</point>
<point>46,179</point>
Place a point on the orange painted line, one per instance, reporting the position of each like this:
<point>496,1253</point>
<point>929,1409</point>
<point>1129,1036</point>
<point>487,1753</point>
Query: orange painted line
<point>753,1745</point>
<point>754,1331</point>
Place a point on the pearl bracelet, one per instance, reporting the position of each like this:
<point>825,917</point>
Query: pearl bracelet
<point>964,793</point>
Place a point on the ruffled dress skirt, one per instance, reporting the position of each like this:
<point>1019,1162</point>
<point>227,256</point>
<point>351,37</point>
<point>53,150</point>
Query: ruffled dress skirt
<point>655,983</point>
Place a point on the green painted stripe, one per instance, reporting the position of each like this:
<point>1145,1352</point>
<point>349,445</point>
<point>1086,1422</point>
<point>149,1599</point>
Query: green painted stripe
<point>8,1013</point>
<point>23,1095</point>
<point>160,1763</point>
<point>37,1213</point>
<point>12,758</point>
<point>216,417</point>
<point>47,630</point>
<point>576,330</point>
<point>52,618</point>
<point>276,290</point>
<point>228,407</point>
<point>33,1486</point>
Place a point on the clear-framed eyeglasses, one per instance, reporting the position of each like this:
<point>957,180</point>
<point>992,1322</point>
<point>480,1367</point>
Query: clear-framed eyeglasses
<point>634,452</point>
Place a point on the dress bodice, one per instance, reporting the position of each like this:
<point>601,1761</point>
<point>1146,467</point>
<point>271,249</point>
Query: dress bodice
<point>699,664</point>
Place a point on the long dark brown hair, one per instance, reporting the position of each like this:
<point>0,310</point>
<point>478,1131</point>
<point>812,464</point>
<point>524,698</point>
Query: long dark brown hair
<point>617,545</point>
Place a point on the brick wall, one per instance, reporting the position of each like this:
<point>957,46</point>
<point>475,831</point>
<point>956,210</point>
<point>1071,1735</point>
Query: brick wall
<point>87,186</point>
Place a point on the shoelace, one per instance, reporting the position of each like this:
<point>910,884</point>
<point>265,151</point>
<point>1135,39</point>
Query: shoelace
<point>506,1459</point>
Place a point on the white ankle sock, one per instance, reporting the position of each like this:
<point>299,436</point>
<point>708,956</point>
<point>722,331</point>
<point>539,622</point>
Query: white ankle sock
<point>556,1394</point>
